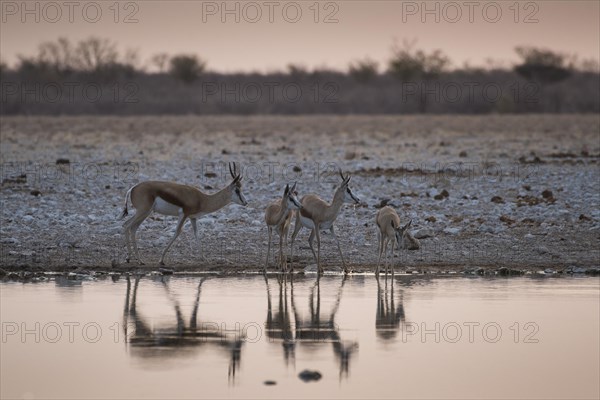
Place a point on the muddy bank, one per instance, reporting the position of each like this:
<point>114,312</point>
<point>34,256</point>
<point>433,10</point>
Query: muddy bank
<point>32,274</point>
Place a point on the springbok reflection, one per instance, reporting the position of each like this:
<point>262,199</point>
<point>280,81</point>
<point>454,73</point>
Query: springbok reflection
<point>312,333</point>
<point>279,326</point>
<point>390,312</point>
<point>178,339</point>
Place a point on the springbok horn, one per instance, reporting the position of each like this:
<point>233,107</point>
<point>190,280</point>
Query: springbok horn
<point>232,171</point>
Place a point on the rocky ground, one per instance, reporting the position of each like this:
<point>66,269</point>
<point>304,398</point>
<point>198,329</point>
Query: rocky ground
<point>486,194</point>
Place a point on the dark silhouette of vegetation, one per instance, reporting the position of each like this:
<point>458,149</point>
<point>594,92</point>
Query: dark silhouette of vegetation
<point>363,70</point>
<point>93,77</point>
<point>297,71</point>
<point>541,65</point>
<point>160,61</point>
<point>407,63</point>
<point>94,57</point>
<point>544,67</point>
<point>187,68</point>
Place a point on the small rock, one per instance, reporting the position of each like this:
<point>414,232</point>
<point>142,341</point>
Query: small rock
<point>270,383</point>
<point>462,154</point>
<point>583,217</point>
<point>308,376</point>
<point>431,218</point>
<point>507,272</point>
<point>350,155</point>
<point>486,229</point>
<point>442,195</point>
<point>452,231</point>
<point>507,220</point>
<point>63,161</point>
<point>423,233</point>
<point>35,193</point>
<point>547,194</point>
<point>543,250</point>
<point>497,200</point>
<point>593,271</point>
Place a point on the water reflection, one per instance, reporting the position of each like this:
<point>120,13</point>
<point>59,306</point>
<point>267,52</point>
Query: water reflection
<point>279,326</point>
<point>286,325</point>
<point>319,330</point>
<point>173,351</point>
<point>390,315</point>
<point>176,339</point>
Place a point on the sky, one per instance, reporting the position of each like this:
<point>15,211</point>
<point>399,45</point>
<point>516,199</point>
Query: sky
<point>268,35</point>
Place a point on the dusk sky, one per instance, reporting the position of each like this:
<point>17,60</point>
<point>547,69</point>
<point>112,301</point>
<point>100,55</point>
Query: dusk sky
<point>343,31</point>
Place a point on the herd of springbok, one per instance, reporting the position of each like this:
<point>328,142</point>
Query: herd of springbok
<point>312,212</point>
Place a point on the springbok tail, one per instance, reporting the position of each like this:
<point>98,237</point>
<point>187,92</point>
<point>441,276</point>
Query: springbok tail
<point>127,197</point>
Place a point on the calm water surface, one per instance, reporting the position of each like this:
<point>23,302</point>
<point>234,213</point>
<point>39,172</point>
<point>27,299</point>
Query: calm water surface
<point>209,337</point>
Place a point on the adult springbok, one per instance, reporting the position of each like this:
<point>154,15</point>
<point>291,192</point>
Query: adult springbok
<point>278,217</point>
<point>390,230</point>
<point>316,214</point>
<point>174,199</point>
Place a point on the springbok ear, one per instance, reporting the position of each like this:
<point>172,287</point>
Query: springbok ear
<point>294,187</point>
<point>405,227</point>
<point>287,189</point>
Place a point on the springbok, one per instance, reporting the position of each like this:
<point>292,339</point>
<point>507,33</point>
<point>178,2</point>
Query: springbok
<point>316,215</point>
<point>174,199</point>
<point>388,222</point>
<point>278,216</point>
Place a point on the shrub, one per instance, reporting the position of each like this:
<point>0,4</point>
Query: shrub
<point>187,68</point>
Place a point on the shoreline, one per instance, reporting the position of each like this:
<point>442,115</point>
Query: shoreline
<point>32,274</point>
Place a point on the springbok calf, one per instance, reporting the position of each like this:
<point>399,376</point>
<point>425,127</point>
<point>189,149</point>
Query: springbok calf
<point>390,229</point>
<point>316,215</point>
<point>174,199</point>
<point>278,216</point>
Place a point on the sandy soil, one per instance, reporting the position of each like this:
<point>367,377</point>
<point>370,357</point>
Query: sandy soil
<point>521,192</point>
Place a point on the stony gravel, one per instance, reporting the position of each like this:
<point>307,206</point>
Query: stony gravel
<point>482,191</point>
